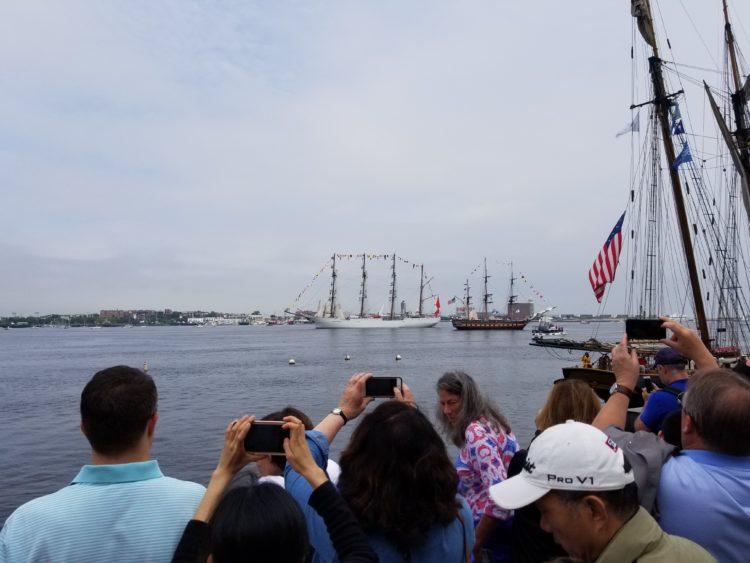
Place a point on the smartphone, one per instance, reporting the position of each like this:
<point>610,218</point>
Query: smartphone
<point>266,437</point>
<point>648,384</point>
<point>381,386</point>
<point>645,329</point>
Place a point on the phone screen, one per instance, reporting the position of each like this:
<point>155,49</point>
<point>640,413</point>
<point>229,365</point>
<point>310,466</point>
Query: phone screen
<point>381,386</point>
<point>645,329</point>
<point>266,437</point>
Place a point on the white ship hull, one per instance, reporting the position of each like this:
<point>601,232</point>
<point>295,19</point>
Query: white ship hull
<point>369,322</point>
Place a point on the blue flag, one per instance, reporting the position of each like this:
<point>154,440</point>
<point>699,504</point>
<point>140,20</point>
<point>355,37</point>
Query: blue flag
<point>677,127</point>
<point>683,157</point>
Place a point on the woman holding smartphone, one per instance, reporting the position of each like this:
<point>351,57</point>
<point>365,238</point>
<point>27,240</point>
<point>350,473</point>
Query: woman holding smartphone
<point>263,522</point>
<point>397,479</point>
<point>482,434</point>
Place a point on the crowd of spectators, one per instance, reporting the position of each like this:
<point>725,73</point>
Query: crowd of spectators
<point>584,489</point>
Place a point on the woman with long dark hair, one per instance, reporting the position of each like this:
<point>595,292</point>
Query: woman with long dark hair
<point>486,445</point>
<point>396,478</point>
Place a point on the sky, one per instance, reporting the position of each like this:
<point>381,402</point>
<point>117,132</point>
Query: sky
<point>213,155</point>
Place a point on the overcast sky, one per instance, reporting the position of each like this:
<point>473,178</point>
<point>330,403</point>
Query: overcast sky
<point>213,155</point>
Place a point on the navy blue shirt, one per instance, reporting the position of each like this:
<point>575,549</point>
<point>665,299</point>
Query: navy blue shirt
<point>660,404</point>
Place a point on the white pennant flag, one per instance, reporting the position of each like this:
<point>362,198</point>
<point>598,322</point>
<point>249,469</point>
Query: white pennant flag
<point>633,127</point>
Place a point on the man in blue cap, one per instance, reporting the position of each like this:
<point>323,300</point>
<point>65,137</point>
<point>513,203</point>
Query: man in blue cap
<point>670,366</point>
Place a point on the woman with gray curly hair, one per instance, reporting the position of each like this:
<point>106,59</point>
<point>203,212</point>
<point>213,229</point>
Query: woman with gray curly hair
<point>486,445</point>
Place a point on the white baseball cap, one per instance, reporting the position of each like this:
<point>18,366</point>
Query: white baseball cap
<point>572,457</point>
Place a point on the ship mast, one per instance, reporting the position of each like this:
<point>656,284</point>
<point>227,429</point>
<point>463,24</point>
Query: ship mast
<point>662,102</point>
<point>421,288</point>
<point>467,299</point>
<point>732,48</point>
<point>333,285</point>
<point>511,295</point>
<point>393,288</point>
<point>487,295</point>
<point>740,151</point>
<point>363,290</point>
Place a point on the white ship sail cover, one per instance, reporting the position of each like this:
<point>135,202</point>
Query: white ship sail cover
<point>641,10</point>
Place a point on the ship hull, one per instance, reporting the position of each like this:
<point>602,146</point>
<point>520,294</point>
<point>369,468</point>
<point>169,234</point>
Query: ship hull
<point>601,381</point>
<point>488,324</point>
<point>372,323</point>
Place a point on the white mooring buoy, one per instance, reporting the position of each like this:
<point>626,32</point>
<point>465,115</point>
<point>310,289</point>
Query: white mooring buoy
<point>398,357</point>
<point>291,361</point>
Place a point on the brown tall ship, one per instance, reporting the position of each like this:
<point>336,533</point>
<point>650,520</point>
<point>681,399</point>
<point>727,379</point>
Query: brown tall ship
<point>517,317</point>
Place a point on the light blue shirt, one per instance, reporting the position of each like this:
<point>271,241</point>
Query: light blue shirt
<point>443,543</point>
<point>705,497</point>
<point>125,512</point>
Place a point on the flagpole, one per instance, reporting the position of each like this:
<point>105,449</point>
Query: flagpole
<point>662,102</point>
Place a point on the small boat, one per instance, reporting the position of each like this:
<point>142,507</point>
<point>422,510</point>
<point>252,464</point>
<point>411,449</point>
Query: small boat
<point>546,328</point>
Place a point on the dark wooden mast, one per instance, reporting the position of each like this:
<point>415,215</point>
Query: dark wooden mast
<point>739,100</point>
<point>487,296</point>
<point>662,102</point>
<point>511,295</point>
<point>467,299</point>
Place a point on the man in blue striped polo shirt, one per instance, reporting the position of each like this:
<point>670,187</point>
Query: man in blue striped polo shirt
<point>120,507</point>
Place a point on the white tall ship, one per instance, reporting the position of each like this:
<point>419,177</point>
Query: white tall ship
<point>332,317</point>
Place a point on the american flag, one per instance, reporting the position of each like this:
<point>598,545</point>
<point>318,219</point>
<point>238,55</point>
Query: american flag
<point>603,270</point>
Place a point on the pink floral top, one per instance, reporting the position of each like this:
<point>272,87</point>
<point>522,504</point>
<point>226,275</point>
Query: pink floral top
<point>482,462</point>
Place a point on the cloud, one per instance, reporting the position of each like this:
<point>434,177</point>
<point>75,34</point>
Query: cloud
<point>214,155</point>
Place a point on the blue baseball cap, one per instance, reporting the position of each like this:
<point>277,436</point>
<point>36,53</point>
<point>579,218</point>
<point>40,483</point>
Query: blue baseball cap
<point>669,356</point>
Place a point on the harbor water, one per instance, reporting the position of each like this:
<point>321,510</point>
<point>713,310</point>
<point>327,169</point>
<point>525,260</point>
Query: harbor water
<point>208,375</point>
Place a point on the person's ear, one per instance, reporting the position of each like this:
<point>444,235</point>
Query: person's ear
<point>595,509</point>
<point>151,424</point>
<point>687,425</point>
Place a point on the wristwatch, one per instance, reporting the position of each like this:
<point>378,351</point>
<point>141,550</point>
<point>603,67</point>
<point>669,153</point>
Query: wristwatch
<point>339,412</point>
<point>617,388</point>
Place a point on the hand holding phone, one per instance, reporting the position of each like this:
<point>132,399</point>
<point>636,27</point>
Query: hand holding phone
<point>645,329</point>
<point>266,437</point>
<point>382,386</point>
